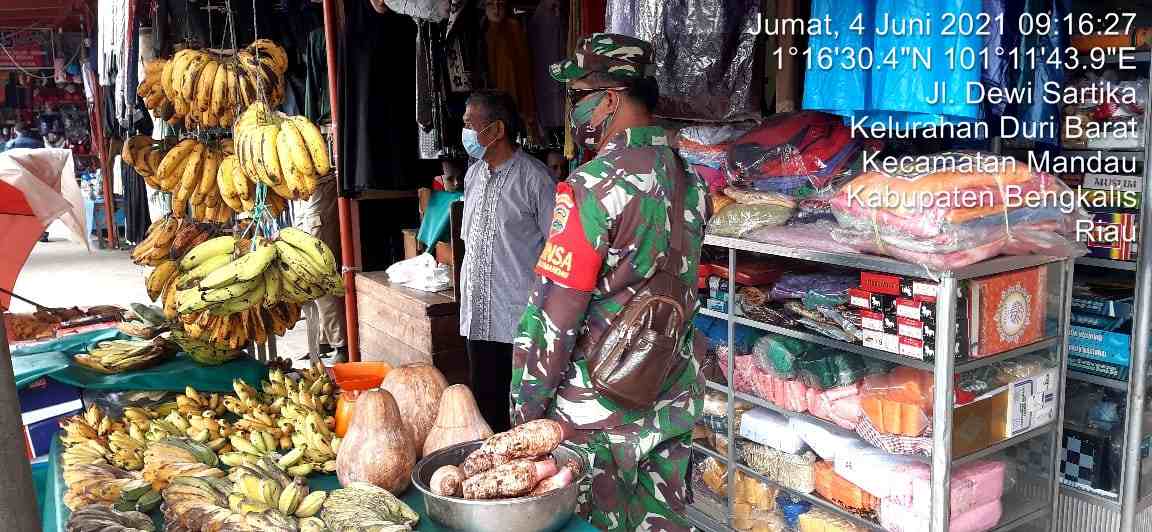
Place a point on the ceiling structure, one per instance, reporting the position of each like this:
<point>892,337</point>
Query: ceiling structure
<point>41,14</point>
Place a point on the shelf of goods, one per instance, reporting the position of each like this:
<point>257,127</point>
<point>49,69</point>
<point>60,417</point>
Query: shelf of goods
<point>1105,471</point>
<point>943,481</point>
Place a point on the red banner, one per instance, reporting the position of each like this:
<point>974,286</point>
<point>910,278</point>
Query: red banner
<point>26,57</point>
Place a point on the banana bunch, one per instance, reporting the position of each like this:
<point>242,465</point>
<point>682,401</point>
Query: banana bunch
<point>151,90</point>
<point>138,496</point>
<point>269,488</point>
<point>204,429</point>
<point>94,483</point>
<point>85,437</point>
<point>116,356</point>
<point>205,353</point>
<point>169,238</point>
<point>194,504</point>
<point>286,153</point>
<point>127,448</point>
<point>188,171</point>
<point>144,154</point>
<point>176,457</point>
<point>194,403</point>
<point>207,89</point>
<point>239,191</point>
<point>107,519</point>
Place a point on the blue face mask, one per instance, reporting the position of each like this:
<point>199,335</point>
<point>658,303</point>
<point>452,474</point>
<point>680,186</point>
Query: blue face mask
<point>470,138</point>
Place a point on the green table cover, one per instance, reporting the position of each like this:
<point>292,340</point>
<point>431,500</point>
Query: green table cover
<point>54,514</point>
<point>172,375</point>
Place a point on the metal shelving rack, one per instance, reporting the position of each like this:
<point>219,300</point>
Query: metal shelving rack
<point>1033,509</point>
<point>1080,509</point>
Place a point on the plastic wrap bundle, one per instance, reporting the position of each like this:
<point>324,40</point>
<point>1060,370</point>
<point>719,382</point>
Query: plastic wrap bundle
<point>707,145</point>
<point>950,217</point>
<point>897,518</point>
<point>738,219</point>
<point>830,368</point>
<point>817,520</point>
<point>766,427</point>
<point>845,494</point>
<point>814,236</point>
<point>899,402</point>
<point>789,394</point>
<point>704,52</point>
<point>825,442</point>
<point>884,475</point>
<point>793,471</point>
<point>828,285</point>
<point>839,405</point>
<point>778,354</point>
<point>793,153</point>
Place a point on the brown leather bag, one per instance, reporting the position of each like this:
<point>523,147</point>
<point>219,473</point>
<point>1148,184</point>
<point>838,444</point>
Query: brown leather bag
<point>631,362</point>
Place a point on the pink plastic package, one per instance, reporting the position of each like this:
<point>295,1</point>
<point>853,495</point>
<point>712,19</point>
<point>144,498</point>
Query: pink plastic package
<point>973,485</point>
<point>838,405</point>
<point>897,518</point>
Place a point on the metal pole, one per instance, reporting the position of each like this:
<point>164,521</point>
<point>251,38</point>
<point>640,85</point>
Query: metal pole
<point>1067,268</point>
<point>343,203</point>
<point>942,400</point>
<point>1134,425</point>
<point>17,493</point>
<point>729,370</point>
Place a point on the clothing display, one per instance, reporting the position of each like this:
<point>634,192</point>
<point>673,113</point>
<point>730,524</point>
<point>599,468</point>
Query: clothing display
<point>703,54</point>
<point>510,64</point>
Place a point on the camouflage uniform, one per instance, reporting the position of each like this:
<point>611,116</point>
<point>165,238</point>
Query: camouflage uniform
<point>609,234</point>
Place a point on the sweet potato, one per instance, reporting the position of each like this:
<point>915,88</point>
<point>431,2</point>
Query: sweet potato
<point>559,480</point>
<point>534,438</point>
<point>446,481</point>
<point>514,479</point>
<point>480,461</point>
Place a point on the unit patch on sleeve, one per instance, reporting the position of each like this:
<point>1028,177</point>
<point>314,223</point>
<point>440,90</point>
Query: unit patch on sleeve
<point>568,258</point>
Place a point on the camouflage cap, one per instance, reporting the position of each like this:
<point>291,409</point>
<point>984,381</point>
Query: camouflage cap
<point>610,53</point>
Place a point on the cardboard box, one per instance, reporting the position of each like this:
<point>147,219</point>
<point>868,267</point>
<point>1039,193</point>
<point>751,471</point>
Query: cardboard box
<point>1005,412</point>
<point>860,298</point>
<point>716,305</point>
<point>911,347</point>
<point>411,245</point>
<point>881,340</point>
<point>1102,353</point>
<point>1087,301</point>
<point>1114,235</point>
<point>881,283</point>
<point>910,328</point>
<point>877,321</point>
<point>1006,311</point>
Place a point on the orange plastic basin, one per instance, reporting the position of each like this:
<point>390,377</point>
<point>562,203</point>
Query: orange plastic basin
<point>353,378</point>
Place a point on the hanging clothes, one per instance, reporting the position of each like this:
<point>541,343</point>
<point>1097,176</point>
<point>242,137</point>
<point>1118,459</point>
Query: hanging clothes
<point>547,33</point>
<point>317,105</point>
<point>137,218</point>
<point>377,100</point>
<point>510,65</point>
<point>704,52</point>
<point>429,93</point>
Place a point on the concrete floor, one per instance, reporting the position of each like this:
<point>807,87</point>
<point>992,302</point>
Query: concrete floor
<point>61,273</point>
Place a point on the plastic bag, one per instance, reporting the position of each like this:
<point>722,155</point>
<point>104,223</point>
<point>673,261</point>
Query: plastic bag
<point>806,147</point>
<point>421,273</point>
<point>778,354</point>
<point>813,236</point>
<point>431,10</point>
<point>955,215</point>
<point>707,145</point>
<point>737,219</point>
<point>753,197</point>
<point>899,402</point>
<point>828,368</point>
<point>797,285</point>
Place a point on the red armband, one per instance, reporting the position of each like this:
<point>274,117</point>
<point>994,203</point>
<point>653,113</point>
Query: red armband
<point>568,257</point>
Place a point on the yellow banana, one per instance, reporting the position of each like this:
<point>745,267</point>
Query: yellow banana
<point>205,84</point>
<point>246,268</point>
<point>317,147</point>
<point>301,159</point>
<point>172,160</point>
<point>311,504</point>
<point>207,183</point>
<point>271,287</point>
<point>191,177</point>
<point>269,157</point>
<point>226,183</point>
<point>292,181</point>
<point>224,293</point>
<point>159,278</point>
<point>221,245</point>
<point>310,245</point>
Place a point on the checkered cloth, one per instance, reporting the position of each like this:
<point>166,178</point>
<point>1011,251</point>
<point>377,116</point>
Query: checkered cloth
<point>894,444</point>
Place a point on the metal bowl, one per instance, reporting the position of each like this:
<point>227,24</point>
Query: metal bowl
<point>543,513</point>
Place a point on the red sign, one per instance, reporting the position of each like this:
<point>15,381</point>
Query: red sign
<point>25,57</point>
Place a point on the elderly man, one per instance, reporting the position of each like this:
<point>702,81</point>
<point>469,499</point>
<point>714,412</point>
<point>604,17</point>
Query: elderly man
<point>628,224</point>
<point>508,198</point>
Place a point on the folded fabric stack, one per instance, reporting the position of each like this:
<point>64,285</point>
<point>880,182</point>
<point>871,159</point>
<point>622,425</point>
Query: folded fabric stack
<point>748,211</point>
<point>748,377</point>
<point>975,490</point>
<point>818,520</point>
<point>844,494</point>
<point>946,218</point>
<point>794,153</point>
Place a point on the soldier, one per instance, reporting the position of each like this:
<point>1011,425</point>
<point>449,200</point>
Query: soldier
<point>610,232</point>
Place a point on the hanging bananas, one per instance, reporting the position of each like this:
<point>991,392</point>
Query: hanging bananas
<point>286,153</point>
<point>144,154</point>
<point>189,171</point>
<point>206,89</point>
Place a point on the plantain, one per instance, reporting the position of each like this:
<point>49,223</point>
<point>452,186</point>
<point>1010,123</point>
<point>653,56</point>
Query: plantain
<point>160,277</point>
<point>301,159</point>
<point>317,147</point>
<point>222,245</point>
<point>191,177</point>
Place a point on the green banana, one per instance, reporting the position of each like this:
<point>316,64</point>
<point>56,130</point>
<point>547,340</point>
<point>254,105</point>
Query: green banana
<point>232,291</point>
<point>309,245</point>
<point>191,301</point>
<point>221,245</point>
<point>252,298</point>
<point>245,268</point>
<point>187,279</point>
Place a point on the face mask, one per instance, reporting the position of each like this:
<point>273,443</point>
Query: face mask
<point>470,138</point>
<point>583,132</point>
